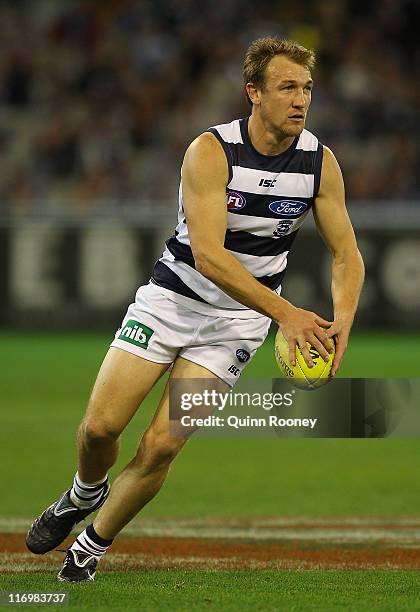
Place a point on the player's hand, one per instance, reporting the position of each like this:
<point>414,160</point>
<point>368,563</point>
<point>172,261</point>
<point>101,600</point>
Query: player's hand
<point>340,330</point>
<point>300,326</point>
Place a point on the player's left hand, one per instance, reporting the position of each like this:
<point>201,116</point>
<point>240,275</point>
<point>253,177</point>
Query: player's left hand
<point>340,330</point>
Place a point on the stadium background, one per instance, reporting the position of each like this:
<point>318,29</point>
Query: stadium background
<point>98,101</point>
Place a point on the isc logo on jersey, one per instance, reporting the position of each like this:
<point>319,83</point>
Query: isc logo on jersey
<point>288,208</point>
<point>235,201</point>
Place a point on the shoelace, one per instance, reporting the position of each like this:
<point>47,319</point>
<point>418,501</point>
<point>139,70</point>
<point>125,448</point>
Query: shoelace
<point>66,561</point>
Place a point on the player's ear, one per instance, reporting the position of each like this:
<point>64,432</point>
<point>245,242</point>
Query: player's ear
<point>253,93</point>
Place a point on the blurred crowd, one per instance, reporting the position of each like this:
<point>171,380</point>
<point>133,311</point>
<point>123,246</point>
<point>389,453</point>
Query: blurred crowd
<point>98,100</point>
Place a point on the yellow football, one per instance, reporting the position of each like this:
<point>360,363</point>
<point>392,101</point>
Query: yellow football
<point>301,375</point>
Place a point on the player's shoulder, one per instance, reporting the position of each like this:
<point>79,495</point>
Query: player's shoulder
<point>228,132</point>
<point>329,161</point>
<point>223,133</point>
<point>205,156</point>
<point>209,145</point>
<point>331,175</point>
<point>328,152</point>
<point>205,146</point>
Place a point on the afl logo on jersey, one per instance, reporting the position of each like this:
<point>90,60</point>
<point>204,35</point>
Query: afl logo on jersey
<point>288,208</point>
<point>242,355</point>
<point>235,201</point>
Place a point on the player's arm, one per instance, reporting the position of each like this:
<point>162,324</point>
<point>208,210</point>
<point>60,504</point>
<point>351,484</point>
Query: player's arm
<point>204,180</point>
<point>335,227</point>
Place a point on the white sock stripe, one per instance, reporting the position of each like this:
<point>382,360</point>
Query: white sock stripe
<point>96,549</point>
<point>84,495</point>
<point>83,502</point>
<point>90,491</point>
<point>89,543</point>
<point>89,487</point>
<point>85,545</point>
<point>87,492</point>
<point>81,547</point>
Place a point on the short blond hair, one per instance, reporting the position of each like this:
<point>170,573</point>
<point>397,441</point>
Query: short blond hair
<point>262,50</point>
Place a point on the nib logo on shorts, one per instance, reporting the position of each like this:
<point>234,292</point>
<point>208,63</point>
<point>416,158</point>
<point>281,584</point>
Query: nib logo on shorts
<point>137,333</point>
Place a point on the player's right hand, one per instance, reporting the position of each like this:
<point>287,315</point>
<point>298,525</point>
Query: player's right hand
<point>300,326</point>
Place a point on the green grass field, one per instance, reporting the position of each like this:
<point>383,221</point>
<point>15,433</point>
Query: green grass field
<point>231,591</point>
<point>44,386</point>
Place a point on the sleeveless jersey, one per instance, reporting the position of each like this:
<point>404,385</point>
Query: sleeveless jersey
<point>268,198</point>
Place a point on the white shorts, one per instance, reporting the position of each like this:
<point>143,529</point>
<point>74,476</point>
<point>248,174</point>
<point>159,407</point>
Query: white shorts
<point>159,329</point>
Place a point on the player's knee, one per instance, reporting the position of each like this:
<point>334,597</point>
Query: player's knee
<point>98,430</point>
<point>157,450</point>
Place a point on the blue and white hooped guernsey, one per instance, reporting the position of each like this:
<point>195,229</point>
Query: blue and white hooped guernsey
<point>268,198</point>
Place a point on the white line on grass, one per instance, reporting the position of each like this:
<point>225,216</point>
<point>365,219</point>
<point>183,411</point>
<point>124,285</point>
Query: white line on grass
<point>391,530</point>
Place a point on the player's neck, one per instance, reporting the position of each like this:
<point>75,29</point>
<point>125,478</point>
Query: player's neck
<point>264,140</point>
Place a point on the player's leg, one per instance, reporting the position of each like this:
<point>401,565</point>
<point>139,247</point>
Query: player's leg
<point>143,477</point>
<point>219,349</point>
<point>137,484</point>
<point>149,339</point>
<point>122,383</point>
<point>222,347</point>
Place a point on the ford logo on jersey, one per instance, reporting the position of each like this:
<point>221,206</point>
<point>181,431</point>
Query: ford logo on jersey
<point>235,201</point>
<point>288,208</point>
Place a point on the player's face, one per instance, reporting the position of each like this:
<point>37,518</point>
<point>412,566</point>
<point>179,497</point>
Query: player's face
<point>285,98</point>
